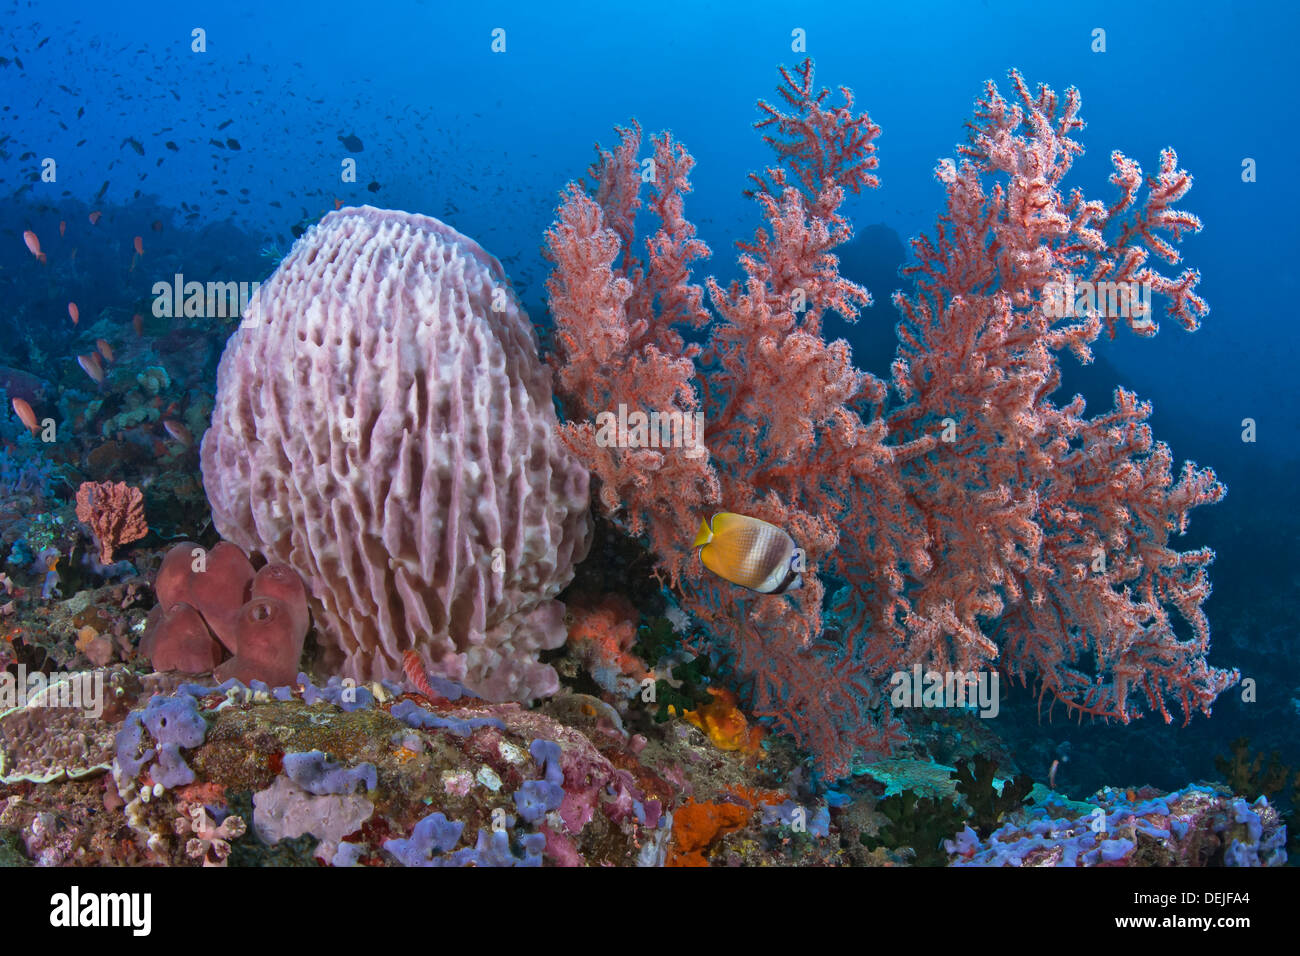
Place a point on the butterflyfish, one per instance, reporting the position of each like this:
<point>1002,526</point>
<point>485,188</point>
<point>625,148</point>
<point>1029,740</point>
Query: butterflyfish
<point>751,553</point>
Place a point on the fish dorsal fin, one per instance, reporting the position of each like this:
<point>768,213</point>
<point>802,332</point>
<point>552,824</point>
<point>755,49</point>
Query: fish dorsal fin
<point>725,521</point>
<point>704,535</point>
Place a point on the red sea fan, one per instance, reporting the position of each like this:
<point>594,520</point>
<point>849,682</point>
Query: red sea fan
<point>776,398</point>
<point>971,521</point>
<point>114,513</point>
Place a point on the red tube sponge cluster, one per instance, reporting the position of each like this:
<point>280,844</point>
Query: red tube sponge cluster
<point>213,605</point>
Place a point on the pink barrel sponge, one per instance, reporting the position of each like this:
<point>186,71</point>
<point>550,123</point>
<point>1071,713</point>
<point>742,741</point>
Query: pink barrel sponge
<point>384,427</point>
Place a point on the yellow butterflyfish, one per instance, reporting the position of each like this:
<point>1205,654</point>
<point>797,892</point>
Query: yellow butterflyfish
<point>750,552</point>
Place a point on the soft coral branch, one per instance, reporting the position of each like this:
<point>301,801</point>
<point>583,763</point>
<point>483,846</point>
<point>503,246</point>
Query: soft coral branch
<point>820,144</point>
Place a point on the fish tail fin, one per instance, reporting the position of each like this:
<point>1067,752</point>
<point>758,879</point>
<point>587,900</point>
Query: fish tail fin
<point>704,535</point>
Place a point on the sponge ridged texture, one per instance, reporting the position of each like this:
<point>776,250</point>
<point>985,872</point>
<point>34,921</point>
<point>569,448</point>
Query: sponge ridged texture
<point>380,428</point>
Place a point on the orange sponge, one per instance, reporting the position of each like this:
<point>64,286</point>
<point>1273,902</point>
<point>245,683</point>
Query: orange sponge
<point>697,825</point>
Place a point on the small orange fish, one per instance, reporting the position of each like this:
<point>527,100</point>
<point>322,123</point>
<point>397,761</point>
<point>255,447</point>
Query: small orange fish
<point>139,246</point>
<point>74,313</point>
<point>178,431</point>
<point>25,414</point>
<point>137,323</point>
<point>90,365</point>
<point>33,245</point>
<point>94,217</point>
<point>63,227</point>
<point>338,203</point>
<point>156,225</point>
<point>105,349</point>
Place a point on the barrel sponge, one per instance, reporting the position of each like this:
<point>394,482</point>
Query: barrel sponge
<point>383,425</point>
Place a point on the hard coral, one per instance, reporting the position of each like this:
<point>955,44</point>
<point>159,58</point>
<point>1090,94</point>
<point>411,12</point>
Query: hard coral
<point>210,842</point>
<point>918,823</point>
<point>989,803</point>
<point>383,426</point>
<point>45,743</point>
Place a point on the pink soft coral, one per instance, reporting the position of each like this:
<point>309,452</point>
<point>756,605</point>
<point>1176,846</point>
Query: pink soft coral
<point>973,521</point>
<point>602,636</point>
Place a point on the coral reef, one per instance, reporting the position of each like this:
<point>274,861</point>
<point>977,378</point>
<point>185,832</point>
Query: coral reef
<point>385,451</point>
<point>1191,827</point>
<point>380,775</point>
